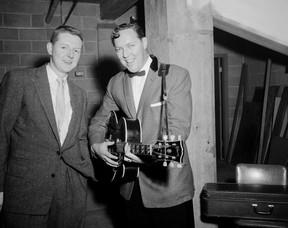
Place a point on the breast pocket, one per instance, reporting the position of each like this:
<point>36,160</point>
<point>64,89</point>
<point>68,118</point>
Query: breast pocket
<point>156,112</point>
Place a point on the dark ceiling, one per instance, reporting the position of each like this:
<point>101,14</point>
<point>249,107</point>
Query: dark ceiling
<point>109,9</point>
<point>86,1</point>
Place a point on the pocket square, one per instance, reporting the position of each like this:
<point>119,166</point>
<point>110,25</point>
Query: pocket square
<point>157,104</point>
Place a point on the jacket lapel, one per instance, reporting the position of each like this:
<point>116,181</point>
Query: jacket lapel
<point>128,94</point>
<point>146,90</point>
<point>127,88</point>
<point>77,109</point>
<point>152,75</point>
<point>43,90</point>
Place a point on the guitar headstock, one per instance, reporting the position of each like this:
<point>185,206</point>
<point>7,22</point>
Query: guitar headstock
<point>169,151</point>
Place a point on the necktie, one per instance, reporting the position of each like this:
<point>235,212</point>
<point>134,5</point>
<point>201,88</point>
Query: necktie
<point>60,104</point>
<point>139,73</point>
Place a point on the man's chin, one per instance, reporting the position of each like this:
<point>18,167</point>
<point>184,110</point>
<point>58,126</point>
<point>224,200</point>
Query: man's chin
<point>132,70</point>
<point>67,69</point>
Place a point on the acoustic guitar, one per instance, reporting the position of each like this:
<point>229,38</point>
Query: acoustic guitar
<point>125,131</point>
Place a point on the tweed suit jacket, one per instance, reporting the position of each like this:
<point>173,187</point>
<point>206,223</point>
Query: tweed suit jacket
<point>160,186</point>
<point>30,149</point>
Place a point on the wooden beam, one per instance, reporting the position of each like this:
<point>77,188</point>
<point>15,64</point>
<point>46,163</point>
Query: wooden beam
<point>112,9</point>
<point>237,112</point>
<point>248,34</point>
<point>264,110</point>
<point>70,11</point>
<point>86,1</point>
<point>51,11</point>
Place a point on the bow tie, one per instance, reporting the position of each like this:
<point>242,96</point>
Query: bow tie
<point>139,73</point>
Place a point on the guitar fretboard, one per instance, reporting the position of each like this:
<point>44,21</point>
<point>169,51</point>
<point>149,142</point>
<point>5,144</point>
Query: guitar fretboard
<point>161,150</point>
<point>141,149</point>
<point>136,148</point>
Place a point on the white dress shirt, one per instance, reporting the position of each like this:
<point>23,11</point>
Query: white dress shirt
<point>52,78</point>
<point>138,83</point>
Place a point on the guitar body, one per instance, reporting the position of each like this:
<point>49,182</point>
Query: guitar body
<point>121,131</point>
<point>128,131</point>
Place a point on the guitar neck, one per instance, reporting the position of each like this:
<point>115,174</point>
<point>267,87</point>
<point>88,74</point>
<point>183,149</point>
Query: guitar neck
<point>136,148</point>
<point>128,131</point>
<point>161,151</point>
<point>141,149</point>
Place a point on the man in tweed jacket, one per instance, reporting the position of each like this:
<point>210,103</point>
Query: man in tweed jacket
<point>43,174</point>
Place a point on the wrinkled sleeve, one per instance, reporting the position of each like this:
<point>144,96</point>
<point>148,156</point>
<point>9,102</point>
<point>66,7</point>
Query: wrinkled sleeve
<point>10,105</point>
<point>179,105</point>
<point>98,124</point>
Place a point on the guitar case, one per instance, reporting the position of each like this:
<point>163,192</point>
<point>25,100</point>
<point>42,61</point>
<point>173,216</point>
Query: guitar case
<point>245,201</point>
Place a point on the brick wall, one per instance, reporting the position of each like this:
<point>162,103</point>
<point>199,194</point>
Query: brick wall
<point>24,35</point>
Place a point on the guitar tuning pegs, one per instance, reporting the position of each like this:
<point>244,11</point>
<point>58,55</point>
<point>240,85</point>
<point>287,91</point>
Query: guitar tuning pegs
<point>171,164</point>
<point>172,137</point>
<point>165,137</point>
<point>179,165</point>
<point>165,163</point>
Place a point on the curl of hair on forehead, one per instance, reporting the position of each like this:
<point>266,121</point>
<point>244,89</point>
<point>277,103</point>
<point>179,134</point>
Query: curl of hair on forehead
<point>116,32</point>
<point>65,29</point>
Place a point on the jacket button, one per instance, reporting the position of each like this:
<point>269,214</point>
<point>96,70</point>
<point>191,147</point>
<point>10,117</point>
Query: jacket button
<point>58,152</point>
<point>52,175</point>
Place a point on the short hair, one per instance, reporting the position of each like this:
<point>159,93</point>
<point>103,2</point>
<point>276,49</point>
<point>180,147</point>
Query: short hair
<point>65,29</point>
<point>136,27</point>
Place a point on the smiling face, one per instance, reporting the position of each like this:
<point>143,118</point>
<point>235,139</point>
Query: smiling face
<point>131,50</point>
<point>65,53</point>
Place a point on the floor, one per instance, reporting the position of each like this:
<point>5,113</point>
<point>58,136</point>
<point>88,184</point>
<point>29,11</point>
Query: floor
<point>101,218</point>
<point>98,216</point>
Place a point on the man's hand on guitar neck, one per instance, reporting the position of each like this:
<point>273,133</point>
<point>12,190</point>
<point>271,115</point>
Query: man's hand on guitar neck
<point>100,150</point>
<point>130,157</point>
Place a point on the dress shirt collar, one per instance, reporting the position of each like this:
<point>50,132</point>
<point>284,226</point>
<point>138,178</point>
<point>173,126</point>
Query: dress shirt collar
<point>146,66</point>
<point>52,76</point>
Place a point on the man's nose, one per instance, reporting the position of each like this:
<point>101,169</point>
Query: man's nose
<point>70,54</point>
<point>125,52</point>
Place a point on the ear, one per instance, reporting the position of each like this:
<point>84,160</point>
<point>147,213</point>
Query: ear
<point>144,42</point>
<point>49,48</point>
